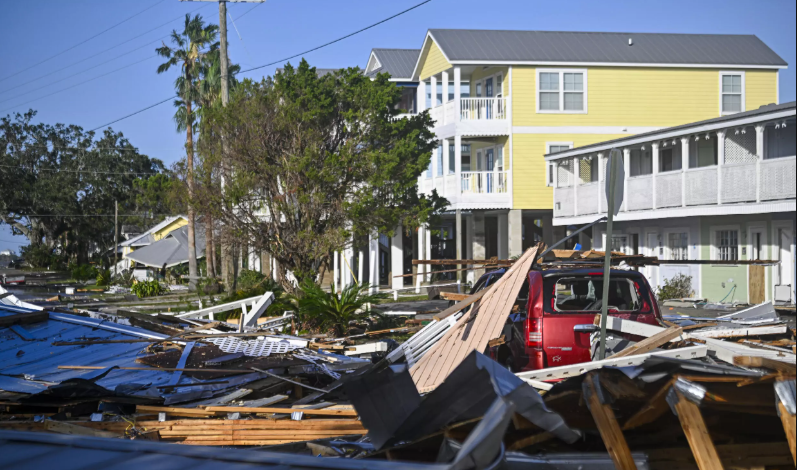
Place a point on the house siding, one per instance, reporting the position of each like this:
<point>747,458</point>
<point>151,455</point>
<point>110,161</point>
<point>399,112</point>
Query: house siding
<point>432,61</point>
<point>162,233</point>
<point>482,73</point>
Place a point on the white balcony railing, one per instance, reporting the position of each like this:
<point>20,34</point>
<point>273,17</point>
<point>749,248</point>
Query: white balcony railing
<point>438,115</point>
<point>484,182</point>
<point>668,189</point>
<point>701,186</point>
<point>588,198</point>
<point>477,109</point>
<point>737,183</point>
<point>641,187</point>
<point>776,180</point>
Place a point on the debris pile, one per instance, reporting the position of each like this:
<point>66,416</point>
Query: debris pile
<point>691,392</point>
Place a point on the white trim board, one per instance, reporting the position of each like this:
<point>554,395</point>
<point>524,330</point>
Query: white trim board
<point>582,129</point>
<point>608,64</point>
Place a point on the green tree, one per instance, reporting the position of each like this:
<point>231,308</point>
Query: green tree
<point>190,47</point>
<point>315,162</point>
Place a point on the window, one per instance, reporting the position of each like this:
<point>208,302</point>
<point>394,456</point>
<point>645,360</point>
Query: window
<point>703,152</point>
<point>731,92</point>
<point>562,91</point>
<point>551,168</point>
<point>678,245</point>
<point>440,161</point>
<point>619,243</point>
<point>727,245</point>
<point>780,139</point>
<point>465,157</point>
<point>641,162</point>
<point>500,85</point>
<point>585,294</point>
<point>452,159</point>
<point>669,160</point>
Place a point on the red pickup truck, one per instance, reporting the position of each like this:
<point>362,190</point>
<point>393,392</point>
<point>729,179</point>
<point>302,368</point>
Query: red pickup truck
<point>556,311</point>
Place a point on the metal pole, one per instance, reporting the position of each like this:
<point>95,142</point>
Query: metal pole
<point>115,235</point>
<point>607,261</point>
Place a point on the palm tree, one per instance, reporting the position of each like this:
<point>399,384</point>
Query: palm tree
<point>189,51</point>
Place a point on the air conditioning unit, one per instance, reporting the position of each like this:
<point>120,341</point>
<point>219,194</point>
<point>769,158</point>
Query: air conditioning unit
<point>783,294</point>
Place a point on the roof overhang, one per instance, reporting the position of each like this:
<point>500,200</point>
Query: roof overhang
<point>429,37</point>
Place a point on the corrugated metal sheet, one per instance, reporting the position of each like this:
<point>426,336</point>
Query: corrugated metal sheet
<point>648,48</point>
<point>172,250</point>
<point>399,63</point>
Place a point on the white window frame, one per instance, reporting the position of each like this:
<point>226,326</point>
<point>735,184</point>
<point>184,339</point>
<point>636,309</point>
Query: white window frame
<point>561,73</point>
<point>715,249</point>
<point>551,182</point>
<point>665,242</point>
<point>744,94</point>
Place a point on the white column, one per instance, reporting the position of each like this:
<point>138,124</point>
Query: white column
<point>627,168</point>
<point>601,178</point>
<point>428,250</point>
<point>421,96</point>
<point>459,248</point>
<point>457,93</point>
<point>444,98</point>
<point>515,220</point>
<point>360,266</point>
<point>684,167</point>
<point>720,163</point>
<point>397,258</point>
<point>470,221</point>
<point>336,271</point>
<point>655,147</point>
<point>421,267</point>
<point>576,183</point>
<point>373,265</point>
<point>759,151</point>
<point>434,93</point>
<point>453,198</point>
<point>503,236</point>
<point>446,167</point>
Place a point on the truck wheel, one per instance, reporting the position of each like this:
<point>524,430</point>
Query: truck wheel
<point>509,364</point>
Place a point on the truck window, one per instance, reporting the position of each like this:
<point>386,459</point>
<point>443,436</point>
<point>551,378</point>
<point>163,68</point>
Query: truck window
<point>584,294</point>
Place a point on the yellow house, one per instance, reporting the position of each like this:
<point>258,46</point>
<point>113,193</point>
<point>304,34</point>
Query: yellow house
<point>154,234</point>
<point>502,100</point>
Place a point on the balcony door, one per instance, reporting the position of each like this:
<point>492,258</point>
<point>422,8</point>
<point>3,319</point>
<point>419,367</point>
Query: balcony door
<point>489,93</point>
<point>490,157</point>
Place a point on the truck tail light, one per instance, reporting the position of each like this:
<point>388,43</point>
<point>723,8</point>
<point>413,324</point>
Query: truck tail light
<point>535,333</point>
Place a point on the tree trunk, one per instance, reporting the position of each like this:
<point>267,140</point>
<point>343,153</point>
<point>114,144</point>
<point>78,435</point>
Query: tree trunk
<point>210,249</point>
<point>189,149</point>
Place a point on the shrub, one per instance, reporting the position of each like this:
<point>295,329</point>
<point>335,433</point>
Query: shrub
<point>103,277</point>
<point>328,310</point>
<point>144,289</point>
<point>250,280</point>
<point>41,256</point>
<point>82,272</point>
<point>676,287</point>
<point>125,278</point>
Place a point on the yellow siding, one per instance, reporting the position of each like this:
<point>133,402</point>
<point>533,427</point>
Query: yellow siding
<point>648,97</point>
<point>433,61</point>
<point>162,233</point>
<point>761,88</point>
<point>481,73</point>
<point>529,182</point>
<point>481,145</point>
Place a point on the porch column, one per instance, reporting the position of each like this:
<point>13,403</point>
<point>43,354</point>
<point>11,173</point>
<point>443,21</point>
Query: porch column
<point>335,271</point>
<point>479,241</point>
<point>601,178</point>
<point>720,163</point>
<point>457,94</point>
<point>503,236</point>
<point>434,94</point>
<point>446,165</point>
<point>421,105</point>
<point>459,246</point>
<point>759,151</point>
<point>515,232</point>
<point>397,258</point>
<point>360,266</point>
<point>576,181</point>
<point>373,265</point>
<point>547,229</point>
<point>454,198</point>
<point>347,267</point>
<point>627,168</point>
<point>444,98</point>
<point>468,250</point>
<point>428,250</point>
<point>655,147</point>
<point>684,167</point>
<point>421,269</point>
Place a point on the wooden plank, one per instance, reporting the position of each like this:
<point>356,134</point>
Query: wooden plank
<point>653,410</point>
<point>609,429</point>
<point>462,305</point>
<point>649,344</point>
<point>171,409</point>
<point>23,318</point>
<point>454,262</point>
<point>697,434</point>
<point>67,428</point>
<point>740,332</point>
<point>241,409</point>
<point>757,284</point>
<point>763,362</point>
<point>453,296</point>
<point>790,428</point>
<point>529,441</point>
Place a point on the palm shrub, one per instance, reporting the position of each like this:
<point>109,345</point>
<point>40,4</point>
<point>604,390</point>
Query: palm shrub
<point>103,277</point>
<point>325,311</point>
<point>150,288</point>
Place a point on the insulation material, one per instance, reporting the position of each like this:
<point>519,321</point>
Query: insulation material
<point>475,329</point>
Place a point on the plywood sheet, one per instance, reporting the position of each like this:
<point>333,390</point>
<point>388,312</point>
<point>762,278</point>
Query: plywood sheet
<point>475,329</point>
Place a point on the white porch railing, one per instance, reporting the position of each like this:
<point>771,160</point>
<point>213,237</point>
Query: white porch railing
<point>701,186</point>
<point>668,189</point>
<point>484,182</point>
<point>588,198</point>
<point>564,202</point>
<point>640,191</point>
<point>450,112</point>
<point>437,114</point>
<point>476,109</point>
<point>737,185</point>
<point>777,180</point>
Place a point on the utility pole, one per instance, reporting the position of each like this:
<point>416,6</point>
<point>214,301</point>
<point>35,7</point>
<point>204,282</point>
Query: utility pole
<point>227,265</point>
<point>115,235</point>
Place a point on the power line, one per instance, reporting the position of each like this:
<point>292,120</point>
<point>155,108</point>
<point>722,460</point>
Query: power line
<point>108,49</point>
<point>82,42</point>
<point>9,241</point>
<point>274,63</point>
<point>57,170</point>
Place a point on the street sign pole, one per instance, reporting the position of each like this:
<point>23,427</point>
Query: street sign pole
<point>615,162</point>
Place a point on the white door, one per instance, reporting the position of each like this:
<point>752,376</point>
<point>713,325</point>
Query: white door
<point>785,270</point>
<point>652,247</point>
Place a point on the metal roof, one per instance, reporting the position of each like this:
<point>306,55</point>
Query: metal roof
<point>133,241</point>
<point>760,114</point>
<point>608,48</point>
<point>171,250</point>
<point>399,63</point>
<point>24,450</point>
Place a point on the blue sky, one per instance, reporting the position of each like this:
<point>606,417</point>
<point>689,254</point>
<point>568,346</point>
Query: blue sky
<point>35,30</point>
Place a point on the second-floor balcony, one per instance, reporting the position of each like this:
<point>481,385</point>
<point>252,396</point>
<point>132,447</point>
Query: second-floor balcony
<point>471,189</point>
<point>736,169</point>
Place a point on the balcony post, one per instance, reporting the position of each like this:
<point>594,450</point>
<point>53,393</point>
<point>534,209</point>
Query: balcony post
<point>601,176</point>
<point>457,168</point>
<point>421,267</point>
<point>446,164</point>
<point>421,97</point>
<point>434,92</point>
<point>458,95</point>
<point>627,168</point>
<point>684,167</point>
<point>576,180</point>
<point>655,148</point>
<point>397,258</point>
<point>759,151</point>
<point>720,163</point>
<point>444,98</point>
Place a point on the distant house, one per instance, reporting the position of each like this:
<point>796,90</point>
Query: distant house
<point>148,237</point>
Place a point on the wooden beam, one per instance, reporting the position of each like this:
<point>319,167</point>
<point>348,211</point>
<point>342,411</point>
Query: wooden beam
<point>790,428</point>
<point>242,409</point>
<point>75,430</point>
<point>653,410</point>
<point>453,296</point>
<point>649,344</point>
<point>454,262</point>
<point>461,305</point>
<point>697,434</point>
<point>766,363</point>
<point>24,318</point>
<point>608,427</point>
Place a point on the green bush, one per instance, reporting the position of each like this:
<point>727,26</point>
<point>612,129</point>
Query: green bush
<point>82,272</point>
<point>328,310</point>
<point>144,289</point>
<point>41,256</point>
<point>676,287</point>
<point>125,278</point>
<point>103,278</point>
<point>250,280</point>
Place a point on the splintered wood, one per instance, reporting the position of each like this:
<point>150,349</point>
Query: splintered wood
<point>474,330</point>
<point>255,432</point>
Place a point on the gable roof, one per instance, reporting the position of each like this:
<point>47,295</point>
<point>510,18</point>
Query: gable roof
<point>399,63</point>
<point>140,239</point>
<point>593,48</point>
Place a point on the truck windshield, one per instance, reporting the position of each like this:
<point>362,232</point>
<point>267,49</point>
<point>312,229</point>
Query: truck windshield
<point>584,294</point>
